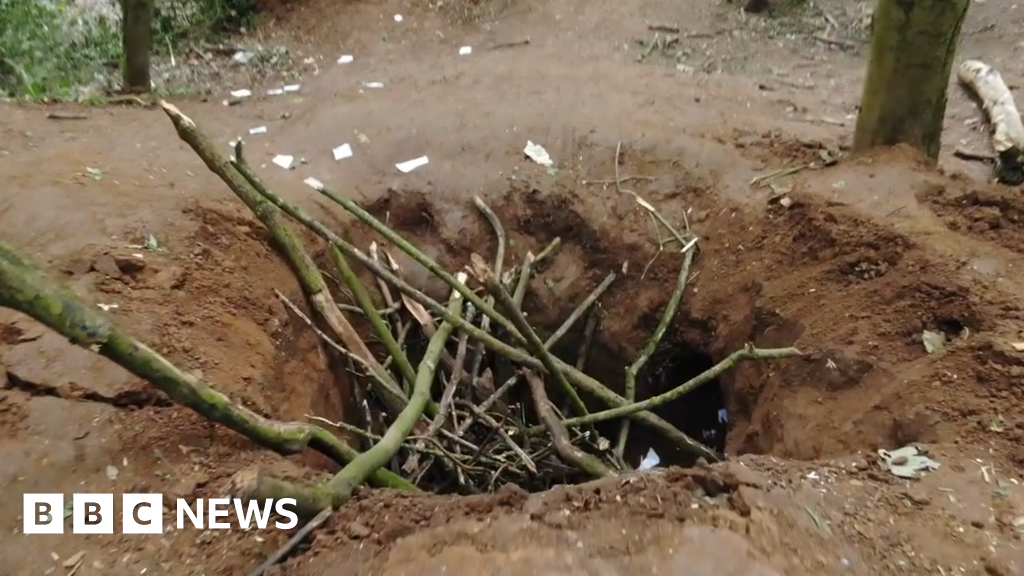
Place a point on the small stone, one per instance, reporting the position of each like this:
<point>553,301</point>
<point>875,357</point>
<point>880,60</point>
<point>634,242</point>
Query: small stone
<point>744,475</point>
<point>129,264</point>
<point>917,497</point>
<point>171,278</point>
<point>185,487</point>
<point>556,520</point>
<point>358,531</point>
<point>106,264</point>
<point>511,495</point>
<point>999,567</point>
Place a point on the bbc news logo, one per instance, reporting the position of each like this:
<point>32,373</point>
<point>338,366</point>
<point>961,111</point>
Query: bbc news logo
<point>144,513</point>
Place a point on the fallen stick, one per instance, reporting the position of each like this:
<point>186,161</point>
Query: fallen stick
<point>560,435</point>
<point>306,271</point>
<point>967,154</point>
<point>25,288</point>
<point>589,329</point>
<point>652,343</point>
<point>499,260</point>
<point>289,547</point>
<point>66,116</point>
<point>748,352</point>
<point>1004,119</point>
<point>380,327</point>
<point>580,311</point>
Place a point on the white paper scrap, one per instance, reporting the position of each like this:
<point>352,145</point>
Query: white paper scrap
<point>345,59</point>
<point>292,88</point>
<point>410,165</point>
<point>258,130</point>
<point>275,92</point>
<point>538,154</point>
<point>313,183</point>
<point>243,93</point>
<point>284,161</point>
<point>342,152</point>
<point>650,460</point>
<point>465,50</point>
<point>398,18</point>
<point>373,84</point>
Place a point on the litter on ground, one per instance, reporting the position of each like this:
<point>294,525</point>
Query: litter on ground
<point>284,161</point>
<point>410,165</point>
<point>342,152</point>
<point>538,154</point>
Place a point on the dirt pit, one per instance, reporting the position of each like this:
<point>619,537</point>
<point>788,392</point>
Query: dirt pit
<point>852,293</point>
<point>851,264</point>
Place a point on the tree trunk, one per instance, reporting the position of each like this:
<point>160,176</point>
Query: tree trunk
<point>912,49</point>
<point>137,44</point>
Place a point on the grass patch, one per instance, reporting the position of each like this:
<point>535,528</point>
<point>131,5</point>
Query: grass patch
<point>51,49</point>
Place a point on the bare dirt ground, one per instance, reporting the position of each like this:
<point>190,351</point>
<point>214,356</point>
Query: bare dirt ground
<point>868,254</point>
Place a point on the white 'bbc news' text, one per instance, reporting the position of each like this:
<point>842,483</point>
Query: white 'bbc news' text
<point>143,513</point>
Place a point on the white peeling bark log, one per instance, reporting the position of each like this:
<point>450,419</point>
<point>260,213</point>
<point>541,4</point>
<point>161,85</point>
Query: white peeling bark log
<point>986,82</point>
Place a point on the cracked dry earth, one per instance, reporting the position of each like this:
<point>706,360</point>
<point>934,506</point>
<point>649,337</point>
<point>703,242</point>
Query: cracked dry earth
<point>861,259</point>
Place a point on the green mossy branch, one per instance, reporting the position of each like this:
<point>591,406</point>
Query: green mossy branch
<point>26,288</point>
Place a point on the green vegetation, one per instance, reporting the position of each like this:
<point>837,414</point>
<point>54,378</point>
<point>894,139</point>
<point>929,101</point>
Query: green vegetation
<point>51,49</point>
<point>46,51</point>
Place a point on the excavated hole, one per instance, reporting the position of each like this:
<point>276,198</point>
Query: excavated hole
<point>676,361</point>
<point>696,413</point>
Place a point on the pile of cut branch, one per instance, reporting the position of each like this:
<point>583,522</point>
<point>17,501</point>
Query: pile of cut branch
<point>470,412</point>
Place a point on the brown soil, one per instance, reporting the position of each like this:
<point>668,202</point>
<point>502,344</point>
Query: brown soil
<point>860,259</point>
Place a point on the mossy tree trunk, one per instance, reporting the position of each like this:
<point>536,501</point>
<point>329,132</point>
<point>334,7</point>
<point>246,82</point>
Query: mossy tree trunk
<point>137,44</point>
<point>912,49</point>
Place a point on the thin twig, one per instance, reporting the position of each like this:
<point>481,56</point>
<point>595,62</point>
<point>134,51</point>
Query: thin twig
<point>524,280</point>
<point>486,277</point>
<point>486,419</point>
<point>323,336</point>
<point>499,259</point>
<point>560,435</point>
<point>488,402</point>
<point>447,396</point>
<point>393,307</point>
<point>760,180</point>
<point>621,180</point>
<point>580,310</point>
<point>293,542</point>
<point>966,154</point>
<point>417,255</point>
<point>66,116</point>
<point>593,319</point>
<point>645,204</point>
<point>651,347</point>
<point>748,352</point>
<point>547,251</point>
